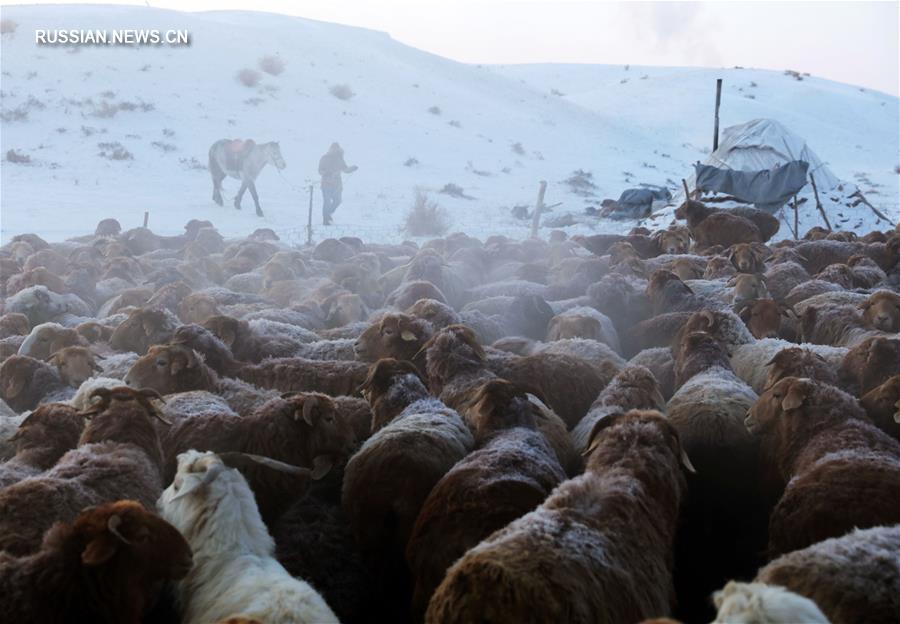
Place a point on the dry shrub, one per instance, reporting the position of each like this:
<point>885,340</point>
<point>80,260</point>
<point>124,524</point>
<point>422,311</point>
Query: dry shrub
<point>341,91</point>
<point>249,77</point>
<point>426,217</point>
<point>272,65</point>
<point>434,110</point>
<point>114,151</point>
<point>7,26</point>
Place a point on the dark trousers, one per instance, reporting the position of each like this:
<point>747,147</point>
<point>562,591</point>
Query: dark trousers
<point>331,199</point>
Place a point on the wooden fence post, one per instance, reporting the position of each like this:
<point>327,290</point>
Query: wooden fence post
<point>796,218</point>
<point>146,218</point>
<point>538,208</point>
<point>718,101</point>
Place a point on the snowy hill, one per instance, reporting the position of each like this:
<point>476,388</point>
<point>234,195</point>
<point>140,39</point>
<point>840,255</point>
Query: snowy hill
<point>414,120</point>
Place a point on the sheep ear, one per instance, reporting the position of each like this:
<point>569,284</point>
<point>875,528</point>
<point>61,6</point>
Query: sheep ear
<point>321,466</point>
<point>709,317</point>
<point>407,335</point>
<point>794,397</point>
<point>14,386</point>
<point>309,404</point>
<point>600,425</point>
<point>99,550</point>
<point>686,462</point>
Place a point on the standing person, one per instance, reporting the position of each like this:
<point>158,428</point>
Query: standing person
<point>331,165</point>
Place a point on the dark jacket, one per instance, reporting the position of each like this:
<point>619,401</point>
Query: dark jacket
<point>331,165</point>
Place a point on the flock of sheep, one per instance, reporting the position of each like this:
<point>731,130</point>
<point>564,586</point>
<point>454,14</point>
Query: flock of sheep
<point>688,423</point>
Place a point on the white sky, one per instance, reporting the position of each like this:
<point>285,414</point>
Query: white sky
<point>852,42</point>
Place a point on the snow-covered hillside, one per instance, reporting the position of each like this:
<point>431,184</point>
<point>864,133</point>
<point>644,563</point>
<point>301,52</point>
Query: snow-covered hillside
<point>415,120</point>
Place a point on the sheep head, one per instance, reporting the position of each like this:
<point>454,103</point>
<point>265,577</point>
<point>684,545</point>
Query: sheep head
<point>762,316</point>
<point>758,602</point>
<point>55,424</point>
<point>748,257</point>
<point>870,363</point>
<point>781,402</point>
<point>344,309</point>
<point>126,541</point>
<point>685,269</point>
<point>661,279</point>
<point>75,365</point>
<point>143,327</point>
<point>47,338</point>
<point>92,332</point>
<point>169,369</point>
<point>882,311</point>
<point>398,336</point>
<point>17,374</point>
<point>748,286</point>
<point>14,324</point>
<point>622,251</point>
<point>817,232</point>
<point>798,362</point>
<point>451,351</point>
<point>615,436</point>
<point>226,328</point>
<point>691,208</point>
<point>102,399</point>
<point>436,312</point>
<point>389,387</point>
<point>321,427</point>
<point>498,405</point>
<point>883,403</point>
<point>673,242</point>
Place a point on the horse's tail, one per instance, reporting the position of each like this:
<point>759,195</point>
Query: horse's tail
<point>214,168</point>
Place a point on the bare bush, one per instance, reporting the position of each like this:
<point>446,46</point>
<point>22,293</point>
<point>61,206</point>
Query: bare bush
<point>341,91</point>
<point>434,110</point>
<point>8,26</point>
<point>582,182</point>
<point>192,163</point>
<point>16,157</point>
<point>518,149</point>
<point>426,217</point>
<point>249,77</point>
<point>114,151</point>
<point>166,147</point>
<point>411,162</point>
<point>455,124</point>
<point>272,65</point>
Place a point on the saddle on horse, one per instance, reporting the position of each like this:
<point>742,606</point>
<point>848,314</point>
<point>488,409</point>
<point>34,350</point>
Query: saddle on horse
<point>236,151</point>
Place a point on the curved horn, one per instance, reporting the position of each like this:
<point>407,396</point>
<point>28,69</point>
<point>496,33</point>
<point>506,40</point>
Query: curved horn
<point>113,524</point>
<point>236,459</point>
<point>208,477</point>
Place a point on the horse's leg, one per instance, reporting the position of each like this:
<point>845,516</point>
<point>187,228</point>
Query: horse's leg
<point>252,187</point>
<point>217,176</point>
<point>240,194</point>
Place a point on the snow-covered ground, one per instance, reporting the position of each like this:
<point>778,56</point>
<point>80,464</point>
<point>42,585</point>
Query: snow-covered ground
<point>415,120</point>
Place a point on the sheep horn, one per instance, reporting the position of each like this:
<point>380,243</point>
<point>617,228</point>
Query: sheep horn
<point>236,459</point>
<point>687,193</point>
<point>321,466</point>
<point>113,524</point>
<point>686,462</point>
<point>208,477</point>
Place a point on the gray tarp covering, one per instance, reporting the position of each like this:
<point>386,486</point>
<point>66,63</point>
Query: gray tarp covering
<point>637,202</point>
<point>767,190</point>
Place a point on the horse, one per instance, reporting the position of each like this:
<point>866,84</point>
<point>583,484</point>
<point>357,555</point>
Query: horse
<point>242,160</point>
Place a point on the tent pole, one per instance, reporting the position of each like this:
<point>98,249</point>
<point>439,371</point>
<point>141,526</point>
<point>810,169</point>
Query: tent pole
<point>718,101</point>
<point>818,203</point>
<point>796,224</point>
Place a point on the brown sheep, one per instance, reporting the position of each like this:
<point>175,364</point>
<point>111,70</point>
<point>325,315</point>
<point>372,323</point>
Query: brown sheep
<point>305,430</point>
<point>709,227</point>
<point>398,336</point>
<point>344,309</point>
<point>104,565</point>
<point>839,274</point>
<point>48,338</point>
<point>34,277</point>
<point>408,293</point>
<point>882,404</point>
<point>51,260</point>
<point>654,332</point>
<point>853,578</point>
<point>782,277</point>
<point>866,272</point>
<point>41,439</point>
<point>717,267</point>
<point>816,232</point>
<point>388,479</point>
<point>173,368</point>
<point>197,307</point>
<point>14,324</point>
<point>667,293</point>
<point>799,362</point>
<point>882,311</point>
<point>331,377</point>
<point>748,258</point>
<point>27,382</point>
<point>142,329</point>
<point>511,473</point>
<point>246,344</point>
<point>75,365</point>
<point>215,354</point>
<point>93,332</point>
<point>599,548</point>
<point>869,364</point>
<point>687,269</point>
<point>746,286</point>
<point>118,455</point>
<point>564,326</point>
<point>840,471</point>
<point>818,254</point>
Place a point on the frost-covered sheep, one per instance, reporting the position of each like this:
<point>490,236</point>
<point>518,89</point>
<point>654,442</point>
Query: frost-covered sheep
<point>43,437</point>
<point>47,338</point>
<point>387,480</point>
<point>40,305</point>
<point>27,382</point>
<point>235,571</point>
<point>852,578</point>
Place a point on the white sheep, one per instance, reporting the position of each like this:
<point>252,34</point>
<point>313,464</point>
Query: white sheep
<point>758,603</point>
<point>235,570</point>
